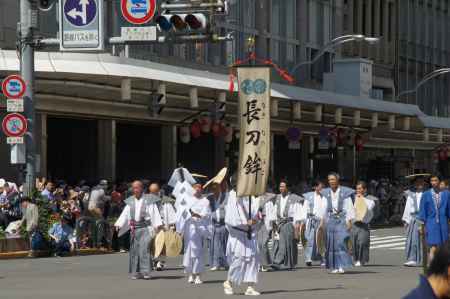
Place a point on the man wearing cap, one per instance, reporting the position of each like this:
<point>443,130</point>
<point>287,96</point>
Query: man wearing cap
<point>142,218</point>
<point>61,235</point>
<point>217,201</point>
<point>193,225</point>
<point>288,217</point>
<point>413,246</point>
<point>434,212</point>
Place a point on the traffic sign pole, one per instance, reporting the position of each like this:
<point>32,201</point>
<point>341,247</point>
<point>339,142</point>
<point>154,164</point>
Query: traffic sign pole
<point>28,9</point>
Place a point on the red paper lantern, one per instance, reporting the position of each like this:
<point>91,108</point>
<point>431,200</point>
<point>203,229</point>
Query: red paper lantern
<point>215,129</point>
<point>196,129</point>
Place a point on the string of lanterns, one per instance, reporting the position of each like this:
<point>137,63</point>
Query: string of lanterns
<point>203,126</point>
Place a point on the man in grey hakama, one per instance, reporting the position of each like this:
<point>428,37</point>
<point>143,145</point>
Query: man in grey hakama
<point>285,240</point>
<point>340,213</point>
<point>219,238</point>
<point>266,207</point>
<point>142,217</point>
<point>413,246</point>
<point>360,227</point>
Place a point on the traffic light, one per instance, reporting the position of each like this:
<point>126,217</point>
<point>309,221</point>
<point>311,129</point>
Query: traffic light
<point>45,5</point>
<point>181,22</point>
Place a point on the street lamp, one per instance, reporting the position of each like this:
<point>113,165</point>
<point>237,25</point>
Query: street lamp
<point>335,42</point>
<point>425,79</point>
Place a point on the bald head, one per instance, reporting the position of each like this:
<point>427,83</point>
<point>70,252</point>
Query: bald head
<point>137,188</point>
<point>154,188</point>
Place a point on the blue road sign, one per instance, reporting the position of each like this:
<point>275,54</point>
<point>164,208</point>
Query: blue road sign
<point>80,12</point>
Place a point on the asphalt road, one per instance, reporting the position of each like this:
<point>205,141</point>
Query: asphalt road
<point>106,277</point>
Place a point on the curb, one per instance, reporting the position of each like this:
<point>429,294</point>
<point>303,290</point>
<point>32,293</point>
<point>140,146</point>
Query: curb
<point>37,254</point>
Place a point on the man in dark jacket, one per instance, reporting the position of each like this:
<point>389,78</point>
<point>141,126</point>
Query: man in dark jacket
<point>437,283</point>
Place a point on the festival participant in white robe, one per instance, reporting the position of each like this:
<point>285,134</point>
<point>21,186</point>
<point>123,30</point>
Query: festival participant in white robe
<point>142,217</point>
<point>242,246</point>
<point>168,216</point>
<point>288,217</point>
<point>413,247</point>
<point>193,224</point>
<point>338,222</point>
<point>314,209</point>
<point>364,206</point>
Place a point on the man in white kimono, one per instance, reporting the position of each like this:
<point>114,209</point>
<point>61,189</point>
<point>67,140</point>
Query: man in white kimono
<point>338,222</point>
<point>242,219</point>
<point>168,215</point>
<point>142,217</point>
<point>314,209</point>
<point>364,205</point>
<point>413,248</point>
<point>194,224</point>
<point>285,235</point>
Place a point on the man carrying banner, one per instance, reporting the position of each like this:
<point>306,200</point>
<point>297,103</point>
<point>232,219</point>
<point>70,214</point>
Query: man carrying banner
<point>243,222</point>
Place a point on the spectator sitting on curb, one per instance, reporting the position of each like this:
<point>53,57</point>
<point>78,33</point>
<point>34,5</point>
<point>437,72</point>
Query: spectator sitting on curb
<point>61,235</point>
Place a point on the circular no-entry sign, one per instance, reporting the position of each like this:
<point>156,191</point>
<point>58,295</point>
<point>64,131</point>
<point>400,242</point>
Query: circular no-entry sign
<point>138,12</point>
<point>13,87</point>
<point>14,125</point>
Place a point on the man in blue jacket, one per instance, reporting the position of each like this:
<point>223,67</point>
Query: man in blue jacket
<point>437,283</point>
<point>434,212</point>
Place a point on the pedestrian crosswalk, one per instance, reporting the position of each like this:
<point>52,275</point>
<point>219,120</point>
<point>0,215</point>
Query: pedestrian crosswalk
<point>377,242</point>
<point>393,242</point>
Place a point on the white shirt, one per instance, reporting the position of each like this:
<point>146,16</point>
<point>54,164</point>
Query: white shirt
<point>320,205</point>
<point>283,201</point>
<point>410,207</point>
<point>347,206</point>
<point>152,214</point>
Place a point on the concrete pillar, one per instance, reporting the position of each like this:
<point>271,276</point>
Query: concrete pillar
<point>107,149</point>
<point>169,142</point>
<point>311,153</point>
<point>43,146</point>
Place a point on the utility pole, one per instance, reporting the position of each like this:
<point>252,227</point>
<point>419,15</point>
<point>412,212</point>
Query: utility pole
<point>25,42</point>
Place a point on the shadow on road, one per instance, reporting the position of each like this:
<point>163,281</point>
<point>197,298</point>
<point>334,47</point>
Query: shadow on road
<point>168,277</point>
<point>360,272</point>
<point>213,281</point>
<point>301,291</point>
<point>391,266</point>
